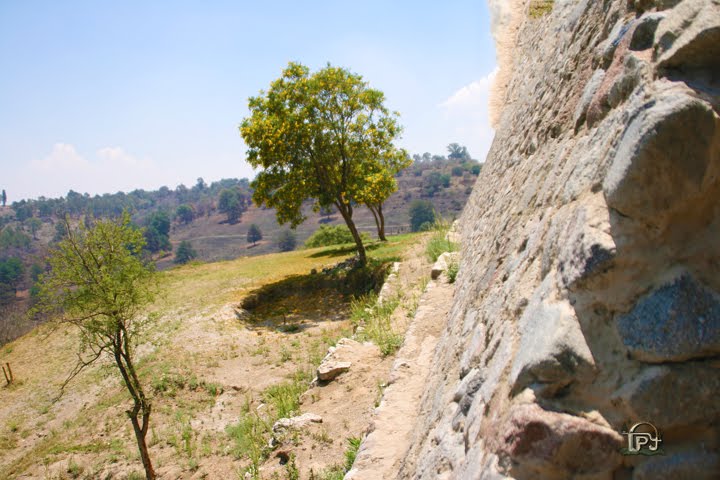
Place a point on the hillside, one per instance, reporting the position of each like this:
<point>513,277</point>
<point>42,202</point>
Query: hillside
<point>213,370</point>
<point>29,227</point>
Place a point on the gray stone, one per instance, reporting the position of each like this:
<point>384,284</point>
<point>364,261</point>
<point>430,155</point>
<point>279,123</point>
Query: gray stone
<point>587,251</point>
<point>330,369</point>
<point>693,465</point>
<point>676,322</point>
<point>644,34</point>
<point>662,158</point>
<point>633,71</point>
<point>588,94</point>
<point>673,396</point>
<point>606,50</point>
<point>689,36</point>
<point>552,352</point>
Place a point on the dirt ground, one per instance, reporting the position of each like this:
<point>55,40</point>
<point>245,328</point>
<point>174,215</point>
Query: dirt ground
<point>206,368</point>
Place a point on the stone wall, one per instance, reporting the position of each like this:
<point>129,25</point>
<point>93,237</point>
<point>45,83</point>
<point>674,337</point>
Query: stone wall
<point>587,298</point>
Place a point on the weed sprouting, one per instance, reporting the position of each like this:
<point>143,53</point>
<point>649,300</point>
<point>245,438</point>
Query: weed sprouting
<point>439,244</point>
<point>375,318</point>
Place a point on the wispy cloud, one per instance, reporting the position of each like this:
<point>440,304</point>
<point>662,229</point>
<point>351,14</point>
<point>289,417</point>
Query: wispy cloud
<point>466,113</point>
<point>109,169</point>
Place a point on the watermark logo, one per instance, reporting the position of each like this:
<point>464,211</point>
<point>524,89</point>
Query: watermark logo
<point>643,439</point>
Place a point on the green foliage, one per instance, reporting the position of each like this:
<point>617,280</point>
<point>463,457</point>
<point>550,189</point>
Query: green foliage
<point>375,318</point>
<point>254,234</point>
<point>184,213</point>
<point>421,212</point>
<point>97,276</point>
<point>11,273</point>
<point>249,436</point>
<point>11,270</point>
<point>452,271</point>
<point>475,169</point>
<point>323,136</point>
<point>13,238</point>
<point>284,398</point>
<point>458,152</point>
<point>351,452</point>
<point>291,469</point>
<point>287,241</point>
<point>457,171</point>
<point>157,232</point>
<point>433,182</point>
<point>328,235</point>
<point>185,252</point>
<point>98,283</point>
<point>23,210</point>
<point>159,221</point>
<point>232,204</point>
<point>156,241</point>
<point>439,244</point>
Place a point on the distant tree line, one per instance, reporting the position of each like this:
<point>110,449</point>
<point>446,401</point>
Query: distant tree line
<point>183,204</point>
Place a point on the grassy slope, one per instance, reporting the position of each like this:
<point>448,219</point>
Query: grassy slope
<point>196,349</point>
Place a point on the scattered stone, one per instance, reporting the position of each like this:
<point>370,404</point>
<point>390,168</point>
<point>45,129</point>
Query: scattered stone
<point>679,321</point>
<point>442,264</point>
<point>296,422</point>
<point>330,369</point>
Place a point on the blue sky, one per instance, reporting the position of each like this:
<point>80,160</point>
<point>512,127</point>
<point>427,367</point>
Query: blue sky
<point>101,96</point>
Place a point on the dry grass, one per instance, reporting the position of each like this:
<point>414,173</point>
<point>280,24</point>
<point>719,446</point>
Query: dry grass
<point>194,345</point>
<point>540,8</point>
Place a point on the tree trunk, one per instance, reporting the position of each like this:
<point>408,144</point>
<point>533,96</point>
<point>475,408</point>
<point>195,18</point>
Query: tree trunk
<point>140,435</point>
<point>346,212</point>
<point>381,224</point>
<point>379,220</point>
<point>123,359</point>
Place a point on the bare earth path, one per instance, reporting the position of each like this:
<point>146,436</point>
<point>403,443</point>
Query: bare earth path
<point>382,450</point>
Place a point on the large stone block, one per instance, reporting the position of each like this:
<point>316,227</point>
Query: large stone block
<point>676,322</point>
<point>673,396</point>
<point>557,445</point>
<point>663,157</point>
<point>588,250</point>
<point>689,36</point>
<point>552,351</point>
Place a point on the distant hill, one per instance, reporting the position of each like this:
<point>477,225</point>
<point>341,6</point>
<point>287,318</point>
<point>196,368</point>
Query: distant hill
<point>200,215</point>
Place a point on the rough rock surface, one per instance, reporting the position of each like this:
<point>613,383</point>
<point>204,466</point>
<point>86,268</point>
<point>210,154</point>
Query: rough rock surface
<point>590,280</point>
<point>296,422</point>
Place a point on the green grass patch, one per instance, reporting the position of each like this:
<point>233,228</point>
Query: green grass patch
<point>375,320</point>
<point>439,244</point>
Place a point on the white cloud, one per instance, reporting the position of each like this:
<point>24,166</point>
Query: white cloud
<point>62,157</point>
<point>109,170</point>
<point>466,118</point>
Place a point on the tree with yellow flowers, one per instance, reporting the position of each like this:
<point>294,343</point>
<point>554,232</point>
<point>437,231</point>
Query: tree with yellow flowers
<point>325,136</point>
